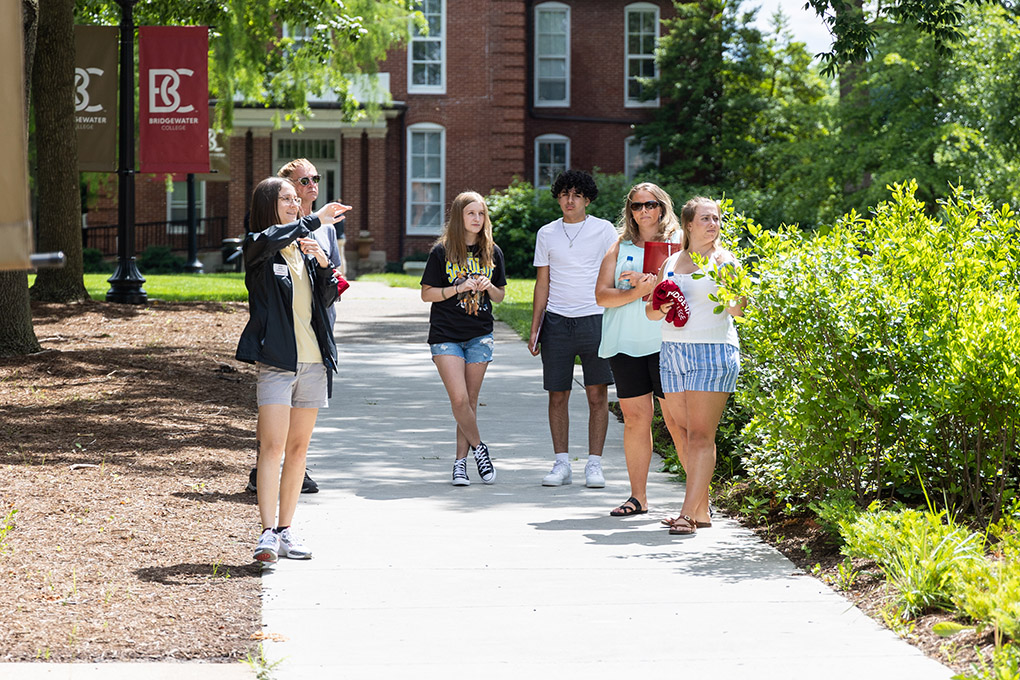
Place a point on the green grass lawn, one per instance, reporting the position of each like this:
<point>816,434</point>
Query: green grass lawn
<point>176,287</point>
<point>515,310</point>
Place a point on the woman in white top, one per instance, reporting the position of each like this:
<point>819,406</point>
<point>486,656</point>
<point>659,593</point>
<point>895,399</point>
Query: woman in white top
<point>629,339</point>
<point>699,361</point>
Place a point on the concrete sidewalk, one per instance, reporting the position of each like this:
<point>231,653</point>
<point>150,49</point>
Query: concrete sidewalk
<point>413,577</point>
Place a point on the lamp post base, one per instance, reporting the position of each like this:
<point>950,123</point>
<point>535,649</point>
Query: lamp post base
<point>126,284</point>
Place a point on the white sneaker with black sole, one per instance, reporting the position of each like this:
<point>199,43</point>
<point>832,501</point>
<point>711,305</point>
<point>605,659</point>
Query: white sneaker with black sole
<point>460,477</point>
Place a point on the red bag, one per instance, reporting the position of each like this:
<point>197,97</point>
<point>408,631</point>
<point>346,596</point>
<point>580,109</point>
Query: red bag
<point>342,284</point>
<point>656,253</point>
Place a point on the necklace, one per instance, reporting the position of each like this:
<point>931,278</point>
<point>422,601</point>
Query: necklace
<point>576,233</point>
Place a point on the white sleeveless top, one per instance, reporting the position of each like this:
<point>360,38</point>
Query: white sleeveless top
<point>704,325</point>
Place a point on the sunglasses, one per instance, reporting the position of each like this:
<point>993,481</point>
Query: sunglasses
<point>647,205</point>
<point>305,181</point>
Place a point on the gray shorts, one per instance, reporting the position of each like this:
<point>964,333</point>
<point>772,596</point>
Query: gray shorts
<point>304,389</point>
<point>563,338</point>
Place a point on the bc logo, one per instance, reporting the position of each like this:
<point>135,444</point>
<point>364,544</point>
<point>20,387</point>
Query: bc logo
<point>82,78</point>
<point>164,83</point>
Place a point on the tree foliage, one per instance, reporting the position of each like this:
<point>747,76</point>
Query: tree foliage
<point>856,25</point>
<point>326,45</point>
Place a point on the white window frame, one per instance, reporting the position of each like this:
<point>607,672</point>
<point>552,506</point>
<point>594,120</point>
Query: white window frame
<point>631,149</point>
<point>413,88</point>
<point>550,139</point>
<point>179,200</point>
<point>627,56</point>
<point>412,229</point>
<point>538,101</point>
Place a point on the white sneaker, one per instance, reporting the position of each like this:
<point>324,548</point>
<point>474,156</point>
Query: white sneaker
<point>559,476</point>
<point>268,548</point>
<point>485,469</point>
<point>293,547</point>
<point>460,477</point>
<point>593,477</point>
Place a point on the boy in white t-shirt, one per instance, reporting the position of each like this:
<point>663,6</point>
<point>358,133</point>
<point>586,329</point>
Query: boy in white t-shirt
<point>567,322</point>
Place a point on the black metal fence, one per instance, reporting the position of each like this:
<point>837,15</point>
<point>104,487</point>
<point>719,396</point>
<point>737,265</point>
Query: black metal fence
<point>172,234</point>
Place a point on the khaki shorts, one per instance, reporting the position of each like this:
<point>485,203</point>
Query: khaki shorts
<point>304,389</point>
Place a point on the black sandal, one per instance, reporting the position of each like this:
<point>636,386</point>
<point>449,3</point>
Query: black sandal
<point>629,507</point>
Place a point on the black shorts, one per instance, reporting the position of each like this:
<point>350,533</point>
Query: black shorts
<point>562,338</point>
<point>636,376</point>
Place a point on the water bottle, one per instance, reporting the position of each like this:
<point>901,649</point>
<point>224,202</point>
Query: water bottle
<point>628,266</point>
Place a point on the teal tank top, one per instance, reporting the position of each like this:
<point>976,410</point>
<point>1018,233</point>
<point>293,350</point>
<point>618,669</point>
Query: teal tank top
<point>626,329</point>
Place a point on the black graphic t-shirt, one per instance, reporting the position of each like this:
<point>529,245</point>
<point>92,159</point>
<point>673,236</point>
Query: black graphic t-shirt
<point>450,320</point>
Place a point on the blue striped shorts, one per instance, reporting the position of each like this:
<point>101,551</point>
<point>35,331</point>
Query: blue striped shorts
<point>699,367</point>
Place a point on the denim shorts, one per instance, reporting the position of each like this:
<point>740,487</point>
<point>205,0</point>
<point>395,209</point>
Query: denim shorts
<point>304,389</point>
<point>474,351</point>
<point>699,367</point>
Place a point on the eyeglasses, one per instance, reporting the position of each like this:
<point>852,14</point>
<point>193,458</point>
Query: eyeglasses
<point>305,181</point>
<point>647,205</point>
<point>290,200</point>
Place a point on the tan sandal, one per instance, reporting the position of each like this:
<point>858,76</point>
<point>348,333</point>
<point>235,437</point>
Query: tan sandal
<point>668,522</point>
<point>683,526</point>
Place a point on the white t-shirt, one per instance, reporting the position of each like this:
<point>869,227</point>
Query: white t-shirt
<point>573,253</point>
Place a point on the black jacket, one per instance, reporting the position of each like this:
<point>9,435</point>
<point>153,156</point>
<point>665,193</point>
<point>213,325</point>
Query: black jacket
<point>269,335</point>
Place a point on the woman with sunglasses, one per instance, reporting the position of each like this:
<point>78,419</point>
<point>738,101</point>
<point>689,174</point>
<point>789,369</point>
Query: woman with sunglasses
<point>700,360</point>
<point>290,287</point>
<point>629,339</point>
<point>463,277</point>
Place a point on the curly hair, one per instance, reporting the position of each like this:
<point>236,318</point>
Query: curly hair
<point>578,180</point>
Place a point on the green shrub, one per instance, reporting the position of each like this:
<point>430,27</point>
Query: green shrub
<point>835,510</point>
<point>922,554</point>
<point>881,355</point>
<point>93,262</point>
<point>160,260</point>
<point>989,593</point>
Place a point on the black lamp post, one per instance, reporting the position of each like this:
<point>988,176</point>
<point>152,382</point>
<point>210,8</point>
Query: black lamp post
<point>126,282</point>
<point>194,265</point>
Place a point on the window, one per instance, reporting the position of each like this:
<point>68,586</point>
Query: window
<point>426,56</point>
<point>426,146</point>
<point>552,54</point>
<point>642,32</point>
<point>177,207</point>
<point>637,159</point>
<point>552,156</point>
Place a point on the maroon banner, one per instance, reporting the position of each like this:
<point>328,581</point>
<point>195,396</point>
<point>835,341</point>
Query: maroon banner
<point>173,94</point>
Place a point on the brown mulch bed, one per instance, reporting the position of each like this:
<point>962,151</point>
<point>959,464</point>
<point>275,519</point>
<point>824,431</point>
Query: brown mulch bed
<point>124,449</point>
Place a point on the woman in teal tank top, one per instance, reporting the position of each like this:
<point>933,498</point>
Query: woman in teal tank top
<point>629,340</point>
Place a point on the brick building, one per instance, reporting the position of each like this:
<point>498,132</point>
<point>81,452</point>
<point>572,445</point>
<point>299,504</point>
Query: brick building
<point>497,89</point>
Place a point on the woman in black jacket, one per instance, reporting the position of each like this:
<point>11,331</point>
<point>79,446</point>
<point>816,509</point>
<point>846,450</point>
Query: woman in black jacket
<point>291,286</point>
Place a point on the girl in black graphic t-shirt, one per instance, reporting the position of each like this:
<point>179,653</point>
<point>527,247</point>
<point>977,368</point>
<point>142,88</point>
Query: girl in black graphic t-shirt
<point>464,275</point>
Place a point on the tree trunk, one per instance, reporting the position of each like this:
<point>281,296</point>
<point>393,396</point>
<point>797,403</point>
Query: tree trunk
<point>59,206</point>
<point>17,336</point>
